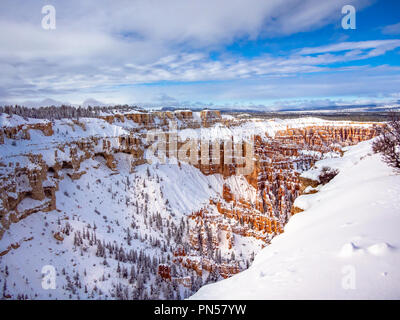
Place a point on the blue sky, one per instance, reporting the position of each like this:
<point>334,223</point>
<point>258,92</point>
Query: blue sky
<point>260,54</point>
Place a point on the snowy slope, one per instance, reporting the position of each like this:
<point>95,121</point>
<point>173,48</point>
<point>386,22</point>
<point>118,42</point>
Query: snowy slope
<point>345,245</point>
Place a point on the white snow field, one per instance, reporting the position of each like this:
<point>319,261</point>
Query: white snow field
<point>345,245</point>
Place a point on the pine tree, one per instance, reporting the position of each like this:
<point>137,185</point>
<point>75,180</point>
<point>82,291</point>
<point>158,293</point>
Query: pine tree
<point>4,288</point>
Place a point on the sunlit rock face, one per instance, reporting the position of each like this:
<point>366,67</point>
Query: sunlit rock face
<point>212,238</point>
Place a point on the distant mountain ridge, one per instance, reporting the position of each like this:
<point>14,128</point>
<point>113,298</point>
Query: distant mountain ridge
<point>370,107</point>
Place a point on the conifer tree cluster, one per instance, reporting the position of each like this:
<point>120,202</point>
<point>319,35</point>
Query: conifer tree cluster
<point>66,111</point>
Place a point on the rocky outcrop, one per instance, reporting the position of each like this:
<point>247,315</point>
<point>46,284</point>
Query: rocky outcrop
<point>14,246</point>
<point>22,131</point>
<point>324,136</point>
<point>159,119</point>
<point>164,271</point>
<point>210,117</point>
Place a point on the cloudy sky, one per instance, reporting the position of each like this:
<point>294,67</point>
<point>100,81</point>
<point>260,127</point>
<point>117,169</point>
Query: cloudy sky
<point>224,53</point>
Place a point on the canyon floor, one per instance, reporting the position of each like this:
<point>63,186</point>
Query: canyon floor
<point>89,211</point>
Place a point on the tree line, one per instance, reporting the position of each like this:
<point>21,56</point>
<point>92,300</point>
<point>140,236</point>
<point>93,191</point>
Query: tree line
<point>66,111</point>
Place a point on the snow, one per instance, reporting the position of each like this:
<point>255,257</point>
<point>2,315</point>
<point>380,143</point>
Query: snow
<point>345,245</point>
<point>98,199</point>
<point>14,120</point>
<point>104,198</point>
<point>246,130</point>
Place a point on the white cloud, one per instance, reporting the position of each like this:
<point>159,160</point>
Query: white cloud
<point>203,22</point>
<point>96,73</point>
<point>360,45</point>
<point>392,29</point>
<point>103,49</point>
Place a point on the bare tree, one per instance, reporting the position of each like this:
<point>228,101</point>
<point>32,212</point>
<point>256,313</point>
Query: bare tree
<point>327,174</point>
<point>388,142</point>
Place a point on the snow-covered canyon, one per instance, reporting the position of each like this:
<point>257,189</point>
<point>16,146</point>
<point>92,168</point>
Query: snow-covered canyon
<point>81,197</point>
